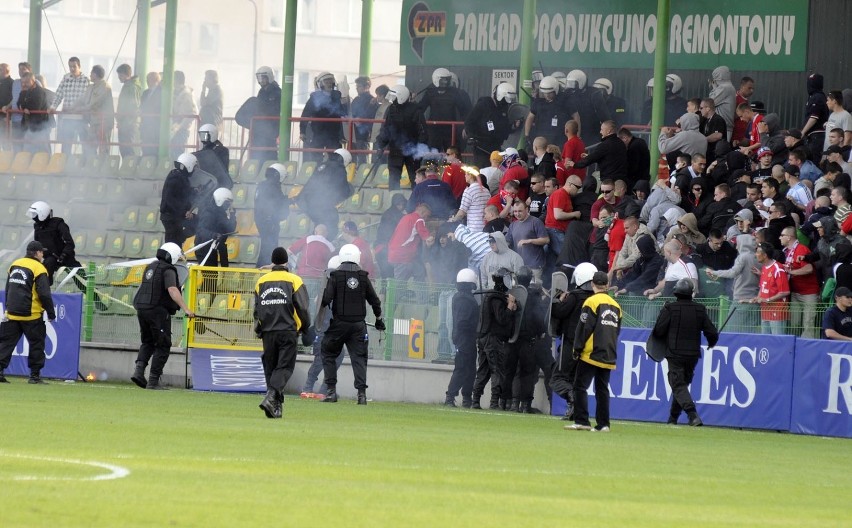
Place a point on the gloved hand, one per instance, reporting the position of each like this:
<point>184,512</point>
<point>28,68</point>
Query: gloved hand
<point>380,325</point>
<point>576,354</point>
<point>308,336</point>
<point>257,329</point>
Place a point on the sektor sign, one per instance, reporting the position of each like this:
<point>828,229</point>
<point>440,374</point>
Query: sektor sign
<point>757,35</point>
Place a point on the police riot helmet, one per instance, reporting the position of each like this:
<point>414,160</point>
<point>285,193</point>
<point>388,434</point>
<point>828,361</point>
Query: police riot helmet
<point>398,94</point>
<point>333,263</point>
<point>208,133</point>
<point>320,79</point>
<point>505,93</point>
<point>502,279</point>
<point>40,211</point>
<point>560,78</point>
<point>265,72</point>
<point>683,289</point>
<point>276,171</point>
<point>442,78</point>
<point>576,79</point>
<point>222,195</point>
<point>673,83</point>
<point>603,84</point>
<point>350,253</point>
<point>186,162</point>
<point>548,85</point>
<point>583,273</point>
<point>170,252</point>
<point>466,275</point>
<point>524,276</point>
<point>343,153</point>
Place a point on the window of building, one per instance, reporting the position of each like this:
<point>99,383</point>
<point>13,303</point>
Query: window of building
<point>183,40</point>
<point>347,17</point>
<point>97,8</point>
<point>306,16</point>
<point>273,12</point>
<point>303,87</point>
<point>208,38</point>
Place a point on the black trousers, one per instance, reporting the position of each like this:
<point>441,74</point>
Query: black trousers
<point>10,333</point>
<point>155,328</point>
<point>681,370</point>
<point>395,164</point>
<point>520,366</point>
<point>585,373</point>
<point>279,358</point>
<point>490,364</point>
<point>354,336</point>
<point>173,229</point>
<point>464,372</point>
<point>564,372</point>
<point>542,358</point>
<point>269,237</point>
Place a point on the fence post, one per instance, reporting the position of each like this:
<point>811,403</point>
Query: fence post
<point>390,305</point>
<point>89,305</point>
<point>724,308</point>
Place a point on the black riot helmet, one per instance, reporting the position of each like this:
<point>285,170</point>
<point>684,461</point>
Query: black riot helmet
<point>524,276</point>
<point>683,289</point>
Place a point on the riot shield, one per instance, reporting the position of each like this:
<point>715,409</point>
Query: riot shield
<point>656,348</point>
<point>210,163</point>
<point>203,184</point>
<point>319,322</point>
<point>520,295</point>
<point>558,284</point>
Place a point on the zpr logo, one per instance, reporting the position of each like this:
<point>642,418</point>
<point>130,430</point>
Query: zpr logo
<point>352,283</point>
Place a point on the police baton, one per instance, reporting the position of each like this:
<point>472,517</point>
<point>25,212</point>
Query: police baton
<point>734,309</point>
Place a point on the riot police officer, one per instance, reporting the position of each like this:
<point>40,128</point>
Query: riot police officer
<point>444,102</point>
<point>487,126</point>
<point>495,329</point>
<point>465,322</point>
<point>216,220</point>
<point>327,188</point>
<point>213,156</point>
<point>533,345</point>
<point>403,133</point>
<point>271,207</point>
<point>176,199</point>
<point>347,289</point>
<point>157,299</point>
<point>55,235</point>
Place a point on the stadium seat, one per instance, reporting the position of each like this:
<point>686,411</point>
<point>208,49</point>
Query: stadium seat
<point>249,171</point>
<point>6,158</point>
<point>124,295</point>
<point>10,238</point>
<point>164,166</point>
<point>115,244</point>
<point>128,167</point>
<point>95,244</point>
<point>80,241</point>
<point>21,163</point>
<point>298,225</point>
<point>249,248</point>
<point>98,191</point>
<point>292,170</point>
<point>381,177</point>
<point>7,186</point>
<point>75,165</point>
<point>261,174</point>
<point>39,162</point>
<point>188,243</point>
<point>81,214</point>
<point>149,219</point>
<point>375,200</point>
<point>25,188</point>
<point>42,187</point>
<point>134,245</point>
<point>306,171</point>
<point>202,303</point>
<point>353,204</point>
<point>234,169</point>
<point>9,211</point>
<point>240,192</point>
<point>130,218</point>
<point>351,170</point>
<point>233,244</point>
<point>152,244</point>
<point>111,166</point>
<point>78,189</point>
<point>146,167</point>
<point>56,165</point>
<point>361,172</point>
<point>245,223</point>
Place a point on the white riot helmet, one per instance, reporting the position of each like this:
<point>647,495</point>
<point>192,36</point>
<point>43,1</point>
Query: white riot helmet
<point>505,92</point>
<point>208,133</point>
<point>39,211</point>
<point>320,79</point>
<point>343,153</point>
<point>265,71</point>
<point>560,78</point>
<point>603,84</point>
<point>454,80</point>
<point>548,85</point>
<point>466,275</point>
<point>442,78</point>
<point>537,76</point>
<point>576,79</point>
<point>278,169</point>
<point>186,162</point>
<point>583,273</point>
<point>222,195</point>
<point>398,94</point>
<point>333,263</point>
<point>350,253</point>
<point>674,81</point>
<point>173,251</point>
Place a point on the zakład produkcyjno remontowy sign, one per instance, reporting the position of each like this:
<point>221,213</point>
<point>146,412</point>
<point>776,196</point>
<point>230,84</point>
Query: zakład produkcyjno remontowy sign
<point>755,35</point>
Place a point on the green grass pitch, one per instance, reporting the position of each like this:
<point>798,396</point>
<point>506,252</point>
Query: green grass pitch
<point>210,460</point>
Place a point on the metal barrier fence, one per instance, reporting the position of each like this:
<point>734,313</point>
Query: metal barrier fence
<point>418,315</point>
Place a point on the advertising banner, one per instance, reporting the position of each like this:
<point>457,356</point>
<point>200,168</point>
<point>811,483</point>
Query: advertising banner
<point>756,35</point>
<point>822,385</point>
<point>744,381</point>
<point>62,346</point>
<point>227,370</point>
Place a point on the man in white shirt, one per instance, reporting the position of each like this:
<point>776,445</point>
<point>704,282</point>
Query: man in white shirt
<point>676,269</point>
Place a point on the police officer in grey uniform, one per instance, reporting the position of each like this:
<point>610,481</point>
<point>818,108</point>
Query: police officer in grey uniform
<point>347,289</point>
<point>156,300</point>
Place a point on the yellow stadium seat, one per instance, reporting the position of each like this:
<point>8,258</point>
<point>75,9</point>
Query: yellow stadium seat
<point>187,244</point>
<point>39,162</point>
<point>233,245</point>
<point>250,170</point>
<point>56,164</point>
<point>292,170</point>
<point>21,163</point>
<point>134,245</point>
<point>115,244</point>
<point>234,169</point>
<point>6,157</point>
<point>306,171</point>
<point>245,223</point>
<point>152,244</point>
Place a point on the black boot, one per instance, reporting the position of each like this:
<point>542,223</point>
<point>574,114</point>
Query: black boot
<point>3,378</point>
<point>268,403</point>
<point>695,420</point>
<point>450,401</point>
<point>330,396</point>
<point>514,405</point>
<point>494,404</point>
<point>154,383</point>
<point>362,397</point>
<point>475,402</point>
<point>138,376</point>
<point>466,402</point>
<point>524,407</point>
<point>35,378</point>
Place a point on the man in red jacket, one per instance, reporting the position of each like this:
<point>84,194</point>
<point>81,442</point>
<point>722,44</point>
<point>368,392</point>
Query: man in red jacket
<point>404,244</point>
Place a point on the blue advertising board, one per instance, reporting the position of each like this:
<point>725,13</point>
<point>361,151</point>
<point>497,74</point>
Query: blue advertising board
<point>822,384</point>
<point>744,381</point>
<point>227,370</point>
<point>62,346</point>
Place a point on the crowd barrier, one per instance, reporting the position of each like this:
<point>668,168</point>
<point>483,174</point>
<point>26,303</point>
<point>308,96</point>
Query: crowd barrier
<point>781,383</point>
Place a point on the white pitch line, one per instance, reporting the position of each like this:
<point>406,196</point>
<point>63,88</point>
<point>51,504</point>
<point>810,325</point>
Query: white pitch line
<point>115,472</point>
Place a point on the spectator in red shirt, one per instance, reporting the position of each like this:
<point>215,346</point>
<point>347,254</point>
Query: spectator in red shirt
<point>513,170</point>
<point>773,292</point>
<point>453,174</point>
<point>746,90</point>
<point>504,198</point>
<point>573,150</point>
<point>351,236</point>
<point>804,288</point>
<point>404,244</point>
<point>746,114</point>
<point>315,251</point>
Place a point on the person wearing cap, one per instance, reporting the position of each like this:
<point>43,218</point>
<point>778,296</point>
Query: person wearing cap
<point>595,347</point>
<point>837,320</point>
<point>28,298</point>
<point>774,289</point>
<point>364,106</point>
<point>793,139</point>
<point>764,165</point>
<point>799,194</point>
<point>514,170</point>
<point>352,236</point>
<point>281,313</point>
<point>680,324</point>
<point>834,154</point>
<point>807,169</point>
<point>494,173</point>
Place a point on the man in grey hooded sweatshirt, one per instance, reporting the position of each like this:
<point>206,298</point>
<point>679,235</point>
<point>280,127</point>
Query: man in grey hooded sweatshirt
<point>688,141</point>
<point>500,257</point>
<point>724,95</point>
